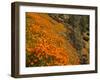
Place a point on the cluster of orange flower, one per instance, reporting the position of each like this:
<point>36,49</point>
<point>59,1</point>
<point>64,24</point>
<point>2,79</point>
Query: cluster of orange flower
<point>45,45</point>
<point>50,55</point>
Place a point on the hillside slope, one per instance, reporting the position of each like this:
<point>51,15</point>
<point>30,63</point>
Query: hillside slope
<point>46,42</point>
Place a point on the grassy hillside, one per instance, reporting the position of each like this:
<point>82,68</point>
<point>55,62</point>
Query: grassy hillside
<point>49,41</point>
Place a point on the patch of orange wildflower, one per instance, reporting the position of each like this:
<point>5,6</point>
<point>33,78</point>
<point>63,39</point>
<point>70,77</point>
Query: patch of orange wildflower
<point>45,46</point>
